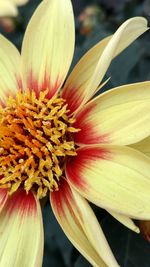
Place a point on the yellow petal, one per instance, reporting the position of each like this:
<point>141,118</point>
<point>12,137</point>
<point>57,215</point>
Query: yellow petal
<point>75,87</point>
<point>143,146</point>
<point>10,77</point>
<point>93,230</point>
<point>48,46</point>
<point>89,72</point>
<point>21,232</point>
<point>125,221</point>
<point>113,177</point>
<point>119,116</point>
<point>69,216</point>
<point>7,8</point>
<point>20,2</point>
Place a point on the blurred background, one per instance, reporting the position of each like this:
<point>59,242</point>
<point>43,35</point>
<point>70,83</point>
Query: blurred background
<point>94,20</point>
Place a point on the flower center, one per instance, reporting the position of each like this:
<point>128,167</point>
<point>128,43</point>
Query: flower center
<point>36,136</point>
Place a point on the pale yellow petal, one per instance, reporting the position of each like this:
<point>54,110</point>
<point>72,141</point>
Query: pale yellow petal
<point>119,116</point>
<point>75,88</point>
<point>10,77</point>
<point>128,32</point>
<point>21,232</point>
<point>20,2</point>
<point>143,146</point>
<point>125,221</point>
<point>89,72</point>
<point>69,216</point>
<point>93,230</point>
<point>7,8</point>
<point>48,46</point>
<point>113,177</point>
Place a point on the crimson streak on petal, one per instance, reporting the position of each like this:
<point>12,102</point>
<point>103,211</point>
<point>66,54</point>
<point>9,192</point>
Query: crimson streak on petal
<point>88,133</point>
<point>63,197</point>
<point>34,85</point>
<point>85,155</point>
<point>25,203</point>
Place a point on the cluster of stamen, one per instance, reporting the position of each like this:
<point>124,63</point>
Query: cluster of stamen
<point>36,136</point>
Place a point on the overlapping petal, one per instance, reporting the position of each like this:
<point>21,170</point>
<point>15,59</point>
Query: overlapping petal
<point>83,81</point>
<point>21,232</point>
<point>143,146</point>
<point>81,226</point>
<point>48,46</point>
<point>113,177</point>
<point>10,77</point>
<point>118,116</point>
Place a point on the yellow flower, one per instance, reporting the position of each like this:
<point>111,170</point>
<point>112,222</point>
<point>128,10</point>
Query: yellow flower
<point>9,7</point>
<point>56,141</point>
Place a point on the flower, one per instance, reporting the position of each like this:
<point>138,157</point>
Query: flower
<point>9,7</point>
<point>55,140</point>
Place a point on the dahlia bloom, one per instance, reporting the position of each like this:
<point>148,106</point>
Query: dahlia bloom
<point>9,7</point>
<point>57,140</point>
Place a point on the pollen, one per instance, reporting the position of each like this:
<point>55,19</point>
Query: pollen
<point>36,137</point>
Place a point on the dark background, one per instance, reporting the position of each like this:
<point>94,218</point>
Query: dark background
<point>95,20</point>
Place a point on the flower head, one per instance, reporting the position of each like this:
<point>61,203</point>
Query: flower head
<point>9,7</point>
<point>56,141</point>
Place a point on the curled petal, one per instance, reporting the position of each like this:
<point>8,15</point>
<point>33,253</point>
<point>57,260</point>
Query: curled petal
<point>89,72</point>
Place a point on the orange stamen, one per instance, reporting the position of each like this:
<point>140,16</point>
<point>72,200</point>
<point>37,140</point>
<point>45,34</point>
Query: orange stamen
<point>36,136</point>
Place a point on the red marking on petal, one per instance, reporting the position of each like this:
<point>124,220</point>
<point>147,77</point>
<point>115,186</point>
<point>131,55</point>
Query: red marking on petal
<point>63,201</point>
<point>87,133</point>
<point>33,84</point>
<point>72,98</point>
<point>61,196</point>
<point>22,202</point>
<point>3,197</point>
<point>53,89</point>
<point>76,166</point>
<point>19,82</point>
